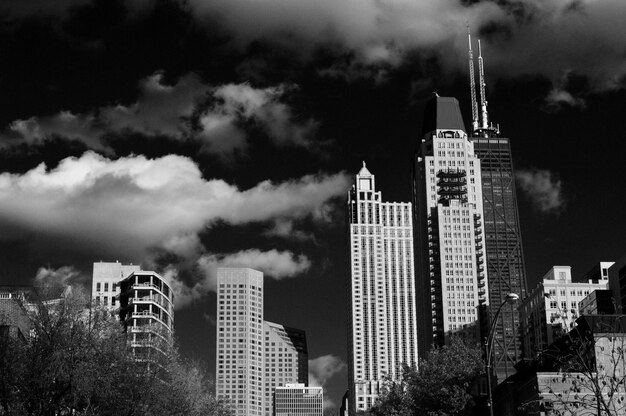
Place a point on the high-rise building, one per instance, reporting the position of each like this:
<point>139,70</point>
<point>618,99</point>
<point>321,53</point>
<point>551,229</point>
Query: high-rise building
<point>503,244</point>
<point>147,312</point>
<point>105,281</point>
<point>449,231</point>
<point>295,399</point>
<point>381,291</point>
<point>551,309</point>
<point>240,358</point>
<point>503,239</point>
<point>286,359</point>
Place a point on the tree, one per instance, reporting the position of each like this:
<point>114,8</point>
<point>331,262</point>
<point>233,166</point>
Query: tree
<point>584,372</point>
<point>441,387</point>
<point>76,362</point>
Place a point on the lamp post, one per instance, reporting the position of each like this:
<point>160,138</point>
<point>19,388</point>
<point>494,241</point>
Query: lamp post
<point>511,298</point>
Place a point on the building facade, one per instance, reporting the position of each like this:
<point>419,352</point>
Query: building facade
<point>449,231</point>
<point>286,359</point>
<point>617,283</point>
<point>598,302</point>
<point>503,245</point>
<point>146,310</point>
<point>295,399</point>
<point>381,291</point>
<point>105,281</point>
<point>581,374</point>
<point>240,358</point>
<point>551,309</point>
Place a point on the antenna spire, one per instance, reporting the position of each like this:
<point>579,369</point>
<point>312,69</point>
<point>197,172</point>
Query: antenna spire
<point>472,82</point>
<point>483,100</point>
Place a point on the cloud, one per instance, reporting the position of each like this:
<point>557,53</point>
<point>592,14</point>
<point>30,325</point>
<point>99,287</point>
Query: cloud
<point>273,263</point>
<point>285,229</point>
<point>81,127</point>
<point>134,206</point>
<point>543,188</point>
<point>322,369</point>
<point>65,275</point>
<point>558,98</point>
<point>216,117</point>
<point>566,93</point>
<point>234,104</point>
<point>530,37</point>
<point>160,110</point>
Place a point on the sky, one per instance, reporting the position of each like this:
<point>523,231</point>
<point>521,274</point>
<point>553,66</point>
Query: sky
<point>190,135</point>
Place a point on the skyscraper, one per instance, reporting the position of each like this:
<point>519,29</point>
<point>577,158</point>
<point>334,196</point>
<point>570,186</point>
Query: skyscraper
<point>503,238</point>
<point>447,200</point>
<point>240,357</point>
<point>381,291</point>
<point>286,359</point>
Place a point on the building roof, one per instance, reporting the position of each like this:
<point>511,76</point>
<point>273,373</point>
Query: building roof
<point>442,113</point>
<point>364,171</point>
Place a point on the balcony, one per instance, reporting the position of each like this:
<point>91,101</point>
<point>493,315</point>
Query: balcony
<point>451,173</point>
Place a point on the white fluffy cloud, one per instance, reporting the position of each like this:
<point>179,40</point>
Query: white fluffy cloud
<point>187,110</point>
<point>241,102</point>
<point>543,188</point>
<point>322,369</point>
<point>130,206</point>
<point>47,276</point>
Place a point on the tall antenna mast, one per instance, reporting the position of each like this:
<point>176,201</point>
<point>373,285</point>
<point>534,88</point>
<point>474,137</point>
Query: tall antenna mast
<point>483,100</point>
<point>472,82</point>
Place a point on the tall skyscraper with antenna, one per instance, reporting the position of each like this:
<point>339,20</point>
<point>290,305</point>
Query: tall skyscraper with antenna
<point>503,239</point>
<point>448,226</point>
<point>381,291</point>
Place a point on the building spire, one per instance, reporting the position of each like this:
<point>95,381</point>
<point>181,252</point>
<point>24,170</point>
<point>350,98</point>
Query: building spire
<point>472,82</point>
<point>483,99</point>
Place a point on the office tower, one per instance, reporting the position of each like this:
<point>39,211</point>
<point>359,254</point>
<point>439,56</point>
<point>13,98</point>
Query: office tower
<point>105,279</point>
<point>503,244</point>
<point>240,354</point>
<point>503,239</point>
<point>381,291</point>
<point>447,194</point>
<point>147,312</point>
<point>297,400</point>
<point>286,359</point>
<point>550,309</point>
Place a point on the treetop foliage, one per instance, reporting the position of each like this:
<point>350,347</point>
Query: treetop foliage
<point>76,361</point>
<point>441,387</point>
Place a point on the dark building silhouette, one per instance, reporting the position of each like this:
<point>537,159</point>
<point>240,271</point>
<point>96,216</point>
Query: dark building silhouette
<point>503,244</point>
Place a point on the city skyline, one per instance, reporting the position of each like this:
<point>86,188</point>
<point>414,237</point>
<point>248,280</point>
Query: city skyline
<point>184,138</point>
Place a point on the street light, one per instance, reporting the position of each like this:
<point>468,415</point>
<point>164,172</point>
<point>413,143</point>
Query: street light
<point>511,298</point>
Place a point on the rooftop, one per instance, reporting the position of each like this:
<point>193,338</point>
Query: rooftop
<point>442,113</point>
